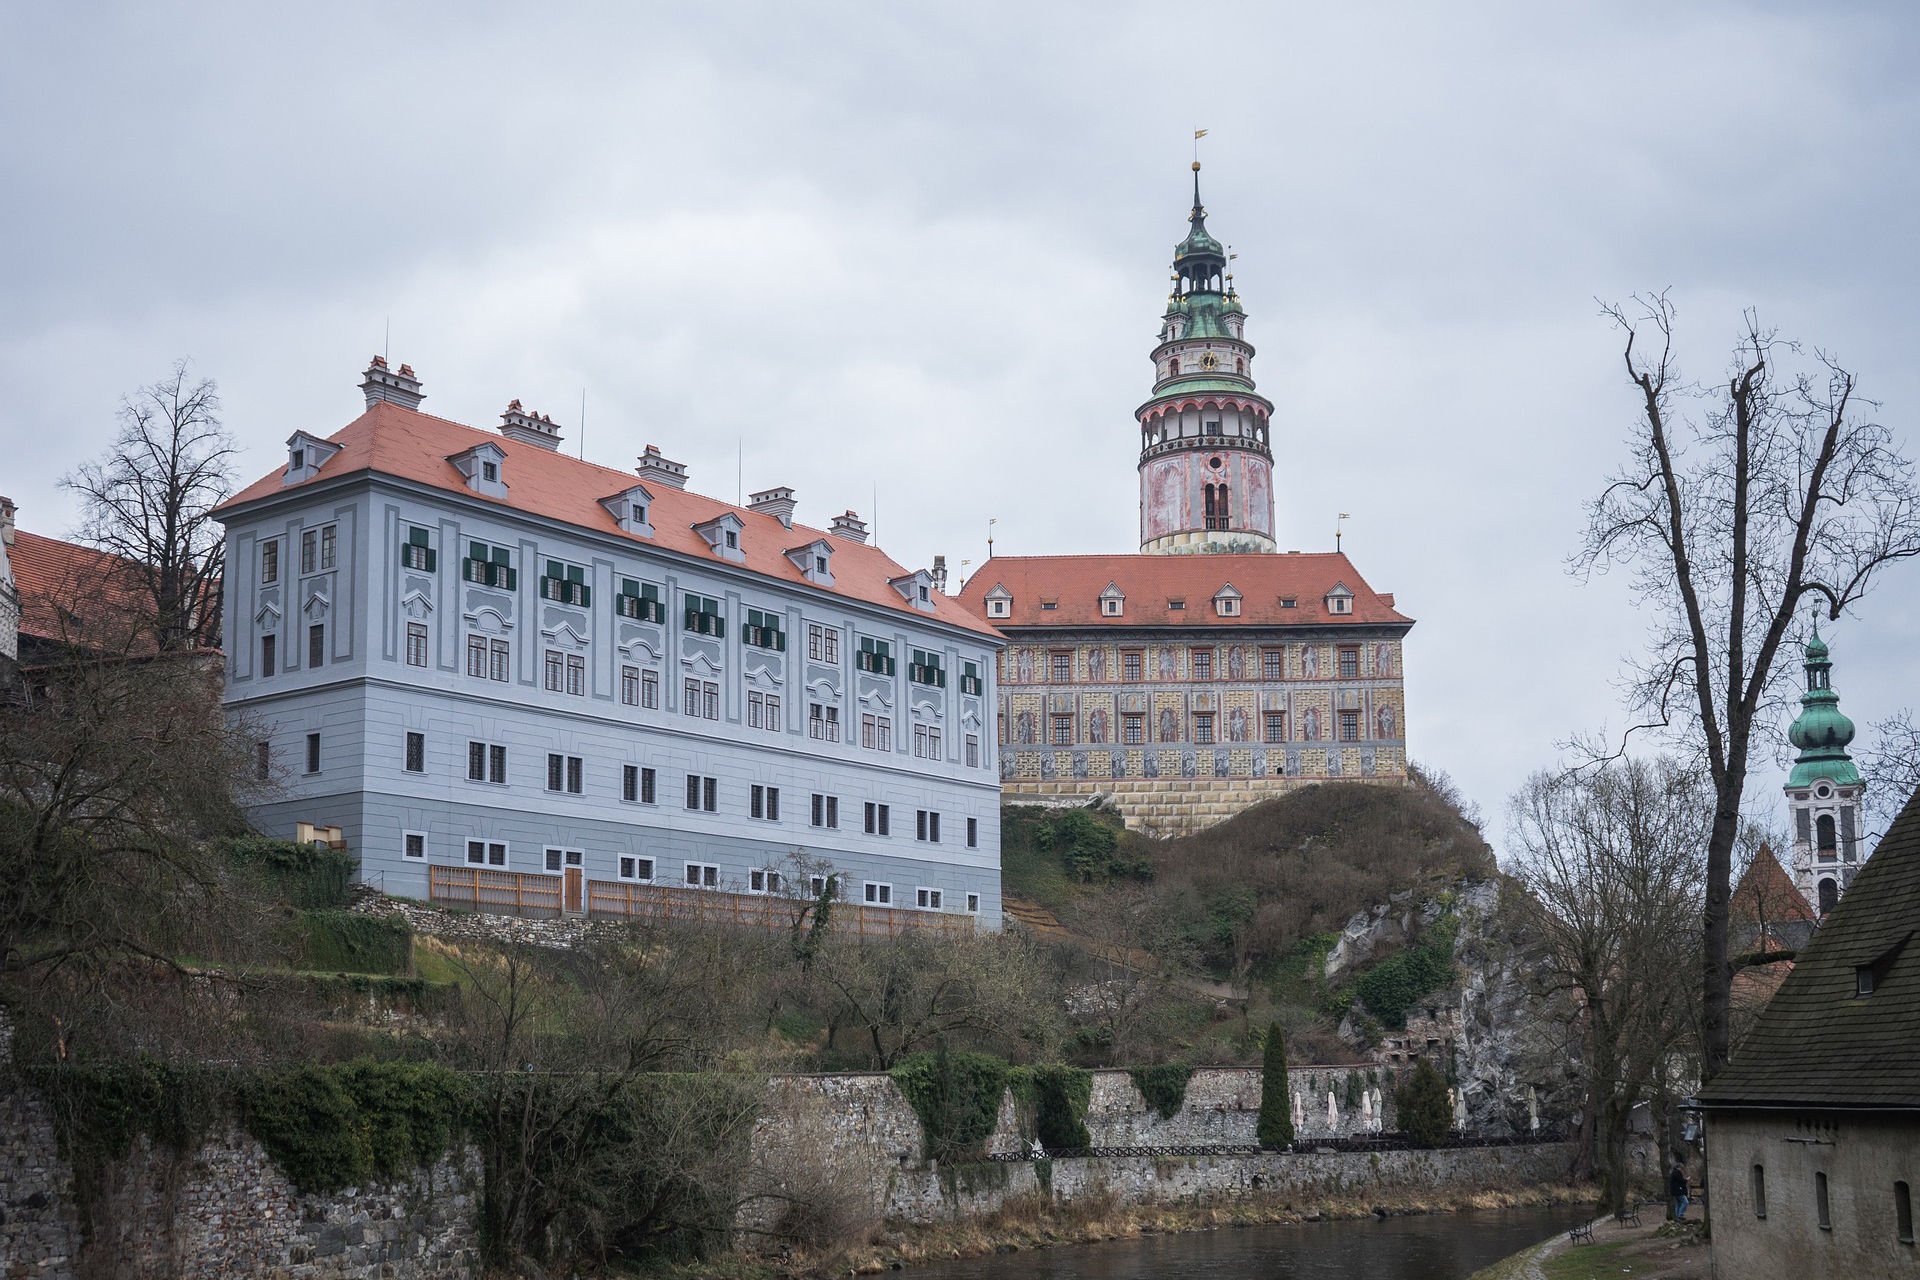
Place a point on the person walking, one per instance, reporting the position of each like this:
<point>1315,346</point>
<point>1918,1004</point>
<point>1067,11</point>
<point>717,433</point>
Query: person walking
<point>1677,1191</point>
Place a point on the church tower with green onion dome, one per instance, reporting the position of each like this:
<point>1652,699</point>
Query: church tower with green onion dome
<point>1206,464</point>
<point>1824,790</point>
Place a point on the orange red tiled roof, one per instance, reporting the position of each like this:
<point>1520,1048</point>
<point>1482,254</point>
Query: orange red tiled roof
<point>391,440</point>
<point>72,594</point>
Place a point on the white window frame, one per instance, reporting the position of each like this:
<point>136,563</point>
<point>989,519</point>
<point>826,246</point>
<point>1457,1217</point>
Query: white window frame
<point>927,898</point>
<point>406,836</point>
<point>764,880</point>
<point>568,858</point>
<point>417,631</point>
<point>700,875</point>
<point>486,854</point>
<point>406,741</point>
<point>621,863</point>
<point>973,904</point>
<point>876,893</point>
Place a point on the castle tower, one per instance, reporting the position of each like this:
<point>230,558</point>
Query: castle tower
<point>1206,468</point>
<point>1824,789</point>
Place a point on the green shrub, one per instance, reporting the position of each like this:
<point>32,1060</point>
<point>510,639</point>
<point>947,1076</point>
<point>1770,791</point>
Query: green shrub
<point>1274,1129</point>
<point>1164,1087</point>
<point>349,942</point>
<point>300,875</point>
<point>333,1127</point>
<point>1060,1095</point>
<point>1391,987</point>
<point>957,1097</point>
<point>1422,1106</point>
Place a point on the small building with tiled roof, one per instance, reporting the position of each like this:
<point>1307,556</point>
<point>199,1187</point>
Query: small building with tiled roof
<point>1209,671</point>
<point>66,597</point>
<point>504,676</point>
<point>1813,1130</point>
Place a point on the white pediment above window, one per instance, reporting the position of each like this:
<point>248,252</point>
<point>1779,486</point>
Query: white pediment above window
<point>880,696</point>
<point>762,675</point>
<point>722,534</point>
<point>929,709</point>
<point>317,604</point>
<point>971,717</point>
<point>416,604</point>
<point>814,560</point>
<point>630,510</point>
<point>1113,601</point>
<point>564,636</point>
<point>484,467</point>
<point>1340,599</point>
<point>306,454</point>
<point>639,649</point>
<point>915,588</point>
<point>822,690</point>
<point>489,622</point>
<point>701,665</point>
<point>268,612</point>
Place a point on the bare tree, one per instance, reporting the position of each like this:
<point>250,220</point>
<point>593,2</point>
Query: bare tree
<point>1740,503</point>
<point>1611,860</point>
<point>1891,768</point>
<point>149,501</point>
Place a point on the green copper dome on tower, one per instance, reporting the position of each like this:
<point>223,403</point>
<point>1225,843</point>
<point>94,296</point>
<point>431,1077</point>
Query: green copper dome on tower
<point>1821,732</point>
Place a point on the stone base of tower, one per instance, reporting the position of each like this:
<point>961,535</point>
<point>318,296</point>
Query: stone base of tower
<point>1173,806</point>
<point>1212,542</point>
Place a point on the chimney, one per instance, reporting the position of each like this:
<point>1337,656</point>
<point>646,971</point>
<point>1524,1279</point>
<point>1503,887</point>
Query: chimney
<point>529,428</point>
<point>777,502</point>
<point>939,574</point>
<point>384,384</point>
<point>849,526</point>
<point>6,520</point>
<point>661,470</point>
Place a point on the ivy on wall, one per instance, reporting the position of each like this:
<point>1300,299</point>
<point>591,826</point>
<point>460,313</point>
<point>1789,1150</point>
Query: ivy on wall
<point>302,875</point>
<point>1391,987</point>
<point>1163,1086</point>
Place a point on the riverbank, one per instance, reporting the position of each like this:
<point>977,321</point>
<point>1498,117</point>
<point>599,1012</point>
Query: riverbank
<point>1040,1222</point>
<point>1655,1251</point>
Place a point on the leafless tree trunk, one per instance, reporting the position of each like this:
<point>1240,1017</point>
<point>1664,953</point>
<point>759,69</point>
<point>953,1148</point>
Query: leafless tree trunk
<point>149,502</point>
<point>1771,495</point>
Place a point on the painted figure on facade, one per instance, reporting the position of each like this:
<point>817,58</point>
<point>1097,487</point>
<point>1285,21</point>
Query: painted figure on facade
<point>1237,722</point>
<point>1187,765</point>
<point>1237,663</point>
<point>1386,721</point>
<point>1310,662</point>
<point>1047,766</point>
<point>1097,665</point>
<point>1166,663</point>
<point>1310,723</point>
<point>1097,724</point>
<point>1025,728</point>
<point>1169,726</point>
<point>1383,660</point>
<point>1025,663</point>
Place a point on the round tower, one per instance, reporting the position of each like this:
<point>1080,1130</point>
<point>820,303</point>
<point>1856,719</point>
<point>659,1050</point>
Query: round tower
<point>1824,790</point>
<point>1206,468</point>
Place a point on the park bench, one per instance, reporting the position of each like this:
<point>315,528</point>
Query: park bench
<point>1629,1216</point>
<point>1581,1233</point>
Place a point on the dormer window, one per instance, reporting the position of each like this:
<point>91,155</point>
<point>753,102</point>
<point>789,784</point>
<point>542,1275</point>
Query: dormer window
<point>1863,980</point>
<point>306,455</point>
<point>1110,608</point>
<point>999,602</point>
<point>483,466</point>
<point>1176,605</point>
<point>733,540</point>
<point>490,472</point>
<point>1289,602</point>
<point>1048,606</point>
<point>1340,600</point>
<point>629,510</point>
<point>297,459</point>
<point>722,534</point>
<point>820,565</point>
<point>1227,607</point>
<point>915,588</point>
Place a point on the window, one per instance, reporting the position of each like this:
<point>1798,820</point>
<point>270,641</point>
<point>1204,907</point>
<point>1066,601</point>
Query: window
<point>486,853</point>
<point>416,644</point>
<point>1062,735</point>
<point>973,751</point>
<point>822,886</point>
<point>1133,730</point>
<point>877,816</point>
<point>763,802</point>
<point>326,546</point>
<point>1820,1205</point>
<point>557,858</point>
<point>309,550</point>
<point>564,773</point>
<point>876,732</point>
<point>823,643</point>
<point>268,647</point>
<point>1131,663</point>
<point>926,741</point>
<point>703,792</point>
<point>1226,606</point>
<point>823,722</point>
<point>702,700</point>
<point>927,899</point>
<point>636,784</point>
<point>926,826</point>
<point>497,666</point>
<point>490,566</point>
<point>878,895</point>
<point>1060,665</point>
<point>417,551</point>
<point>825,812</point>
<point>486,762</point>
<point>317,645</point>
<point>639,600</point>
<point>1276,726</point>
<point>263,761</point>
<point>1349,726</point>
<point>973,904</point>
<point>566,583</point>
<point>630,686</point>
<point>763,631</point>
<point>926,669</point>
<point>416,754</point>
<point>973,833</point>
<point>1823,828</point>
<point>703,875</point>
<point>763,711</point>
<point>413,844</point>
<point>1863,980</point>
<point>1339,604</point>
<point>733,539</point>
<point>1903,1211</point>
<point>702,616</point>
<point>1110,607</point>
<point>490,472</point>
<point>1202,660</point>
<point>270,561</point>
<point>650,690</point>
<point>970,678</point>
<point>1177,606</point>
<point>1759,1191</point>
<point>1203,727</point>
<point>577,674</point>
<point>1349,660</point>
<point>633,867</point>
<point>313,753</point>
<point>761,880</point>
<point>477,657</point>
<point>1288,602</point>
<point>1272,664</point>
<point>875,656</point>
<point>556,668</point>
<point>999,608</point>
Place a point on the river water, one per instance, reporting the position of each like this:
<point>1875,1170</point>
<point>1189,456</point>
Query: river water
<point>1439,1246</point>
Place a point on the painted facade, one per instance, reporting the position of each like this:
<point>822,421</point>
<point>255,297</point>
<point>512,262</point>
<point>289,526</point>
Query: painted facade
<point>466,650</point>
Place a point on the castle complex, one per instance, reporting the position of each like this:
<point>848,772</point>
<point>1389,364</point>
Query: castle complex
<point>1210,670</point>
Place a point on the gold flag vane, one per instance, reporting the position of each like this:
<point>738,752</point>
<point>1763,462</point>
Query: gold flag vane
<point>1337,527</point>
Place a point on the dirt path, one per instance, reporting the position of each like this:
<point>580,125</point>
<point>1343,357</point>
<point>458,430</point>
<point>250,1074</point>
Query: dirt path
<point>1652,1251</point>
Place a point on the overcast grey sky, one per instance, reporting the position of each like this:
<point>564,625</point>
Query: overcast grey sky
<point>921,249</point>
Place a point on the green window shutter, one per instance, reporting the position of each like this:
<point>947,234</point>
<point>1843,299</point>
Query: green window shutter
<point>586,596</point>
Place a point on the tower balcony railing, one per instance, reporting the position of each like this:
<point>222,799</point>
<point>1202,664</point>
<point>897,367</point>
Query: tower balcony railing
<point>1217,522</point>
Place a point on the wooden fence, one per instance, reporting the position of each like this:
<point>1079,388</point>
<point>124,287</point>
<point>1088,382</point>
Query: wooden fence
<point>516,893</point>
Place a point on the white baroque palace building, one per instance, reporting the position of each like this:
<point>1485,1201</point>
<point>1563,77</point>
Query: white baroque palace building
<point>469,652</point>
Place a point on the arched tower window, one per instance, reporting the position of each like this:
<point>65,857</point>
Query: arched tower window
<point>1217,506</point>
<point>1240,365</point>
<point>1823,828</point>
<point>1173,367</point>
<point>1829,896</point>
